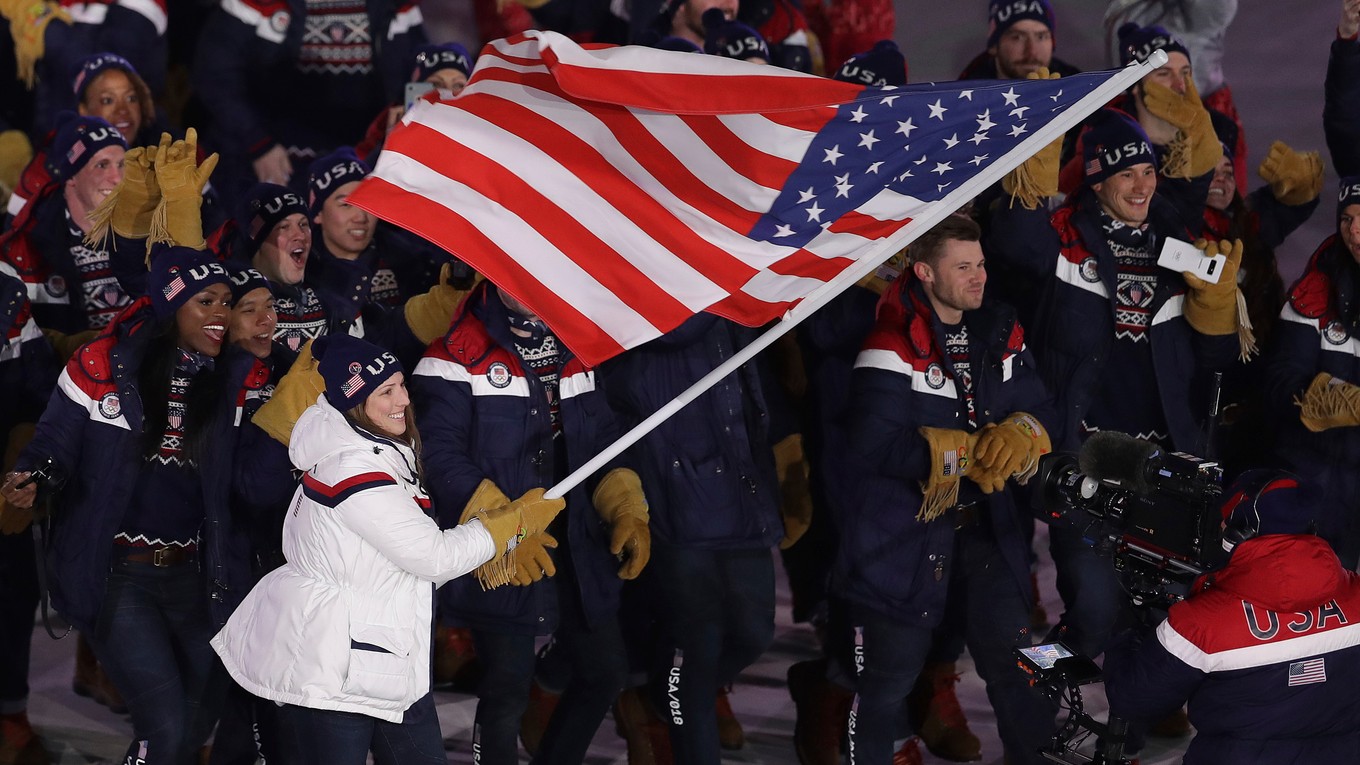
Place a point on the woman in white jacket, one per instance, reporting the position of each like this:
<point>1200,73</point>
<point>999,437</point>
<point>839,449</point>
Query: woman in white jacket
<point>340,634</point>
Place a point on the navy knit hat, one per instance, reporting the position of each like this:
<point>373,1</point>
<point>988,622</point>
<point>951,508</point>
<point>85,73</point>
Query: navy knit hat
<point>332,171</point>
<point>1348,193</point>
<point>1003,14</point>
<point>732,39</point>
<point>1265,501</point>
<point>1113,142</point>
<point>76,141</point>
<point>179,273</point>
<point>245,281</point>
<point>91,67</point>
<point>882,64</point>
<point>431,58</point>
<point>352,368</point>
<point>266,204</point>
<point>1137,43</point>
<point>1227,132</point>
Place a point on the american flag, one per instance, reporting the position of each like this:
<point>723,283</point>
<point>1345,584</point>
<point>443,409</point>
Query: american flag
<point>351,385</point>
<point>173,288</point>
<point>1306,672</point>
<point>619,191</point>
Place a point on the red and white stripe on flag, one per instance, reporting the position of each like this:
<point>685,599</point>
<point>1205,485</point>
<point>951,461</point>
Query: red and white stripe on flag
<point>619,191</point>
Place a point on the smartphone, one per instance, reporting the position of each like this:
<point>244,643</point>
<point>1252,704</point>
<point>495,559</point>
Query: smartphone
<point>1181,256</point>
<point>414,90</point>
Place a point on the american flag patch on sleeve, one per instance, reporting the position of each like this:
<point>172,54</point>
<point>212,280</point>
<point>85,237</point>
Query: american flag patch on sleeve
<point>1310,671</point>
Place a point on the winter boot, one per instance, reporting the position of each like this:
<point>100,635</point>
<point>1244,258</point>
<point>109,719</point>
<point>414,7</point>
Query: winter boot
<point>909,754</point>
<point>19,743</point>
<point>730,735</point>
<point>938,718</point>
<point>823,710</point>
<point>536,716</point>
<point>636,722</point>
<point>91,681</point>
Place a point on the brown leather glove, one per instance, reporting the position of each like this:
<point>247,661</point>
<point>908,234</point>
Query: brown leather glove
<point>1196,149</point>
<point>1212,308</point>
<point>509,523</point>
<point>28,20</point>
<point>1037,177</point>
<point>128,210</point>
<point>178,219</point>
<point>429,315</point>
<point>298,389</point>
<point>951,455</point>
<point>620,502</point>
<point>15,153</point>
<point>1295,178</point>
<point>1329,403</point>
<point>532,561</point>
<point>1012,449</point>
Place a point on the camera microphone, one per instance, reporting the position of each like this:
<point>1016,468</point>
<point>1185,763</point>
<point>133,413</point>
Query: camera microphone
<point>1113,456</point>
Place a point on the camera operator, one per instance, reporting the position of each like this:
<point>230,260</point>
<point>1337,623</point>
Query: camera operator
<point>944,389</point>
<point>1265,649</point>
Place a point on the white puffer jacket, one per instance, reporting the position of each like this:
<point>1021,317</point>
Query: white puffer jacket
<point>345,624</point>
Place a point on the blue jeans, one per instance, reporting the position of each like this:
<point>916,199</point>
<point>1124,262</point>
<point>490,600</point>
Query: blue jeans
<point>328,737</point>
<point>152,639</point>
<point>1091,595</point>
<point>890,654</point>
<point>716,613</point>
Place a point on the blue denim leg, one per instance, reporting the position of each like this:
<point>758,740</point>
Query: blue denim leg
<point>716,612</point>
<point>888,656</point>
<point>1089,589</point>
<point>415,740</point>
<point>502,696</point>
<point>18,599</point>
<point>152,639</point>
<point>997,611</point>
<point>598,667</point>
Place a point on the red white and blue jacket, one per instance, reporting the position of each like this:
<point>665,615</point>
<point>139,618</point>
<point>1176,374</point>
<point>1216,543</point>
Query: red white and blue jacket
<point>1075,327</point>
<point>92,430</point>
<point>1266,651</point>
<point>889,561</point>
<point>483,414</point>
<point>1318,332</point>
<point>28,367</point>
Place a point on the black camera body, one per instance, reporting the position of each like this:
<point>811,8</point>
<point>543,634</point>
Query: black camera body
<point>1155,513</point>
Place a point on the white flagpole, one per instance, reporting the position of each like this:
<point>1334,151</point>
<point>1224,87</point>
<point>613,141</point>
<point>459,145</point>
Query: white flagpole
<point>872,257</point>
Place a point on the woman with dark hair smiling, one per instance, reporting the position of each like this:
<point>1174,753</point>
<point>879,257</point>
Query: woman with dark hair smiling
<point>144,559</point>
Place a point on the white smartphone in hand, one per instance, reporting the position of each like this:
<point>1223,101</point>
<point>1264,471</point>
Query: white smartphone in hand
<point>414,90</point>
<point>1181,257</point>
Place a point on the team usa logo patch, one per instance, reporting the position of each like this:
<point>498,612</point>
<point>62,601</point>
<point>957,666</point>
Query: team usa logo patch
<point>935,376</point>
<point>1335,332</point>
<point>56,285</point>
<point>1089,271</point>
<point>109,406</point>
<point>498,375</point>
<point>279,21</point>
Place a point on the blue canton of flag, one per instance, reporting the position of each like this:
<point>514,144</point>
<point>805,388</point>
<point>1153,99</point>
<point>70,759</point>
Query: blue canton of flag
<point>1306,672</point>
<point>893,149</point>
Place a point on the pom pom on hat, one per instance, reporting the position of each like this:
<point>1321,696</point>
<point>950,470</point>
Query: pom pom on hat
<point>881,65</point>
<point>352,368</point>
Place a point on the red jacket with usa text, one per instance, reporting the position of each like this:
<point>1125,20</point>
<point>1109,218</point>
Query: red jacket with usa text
<point>1267,652</point>
<point>903,381</point>
<point>483,414</point>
